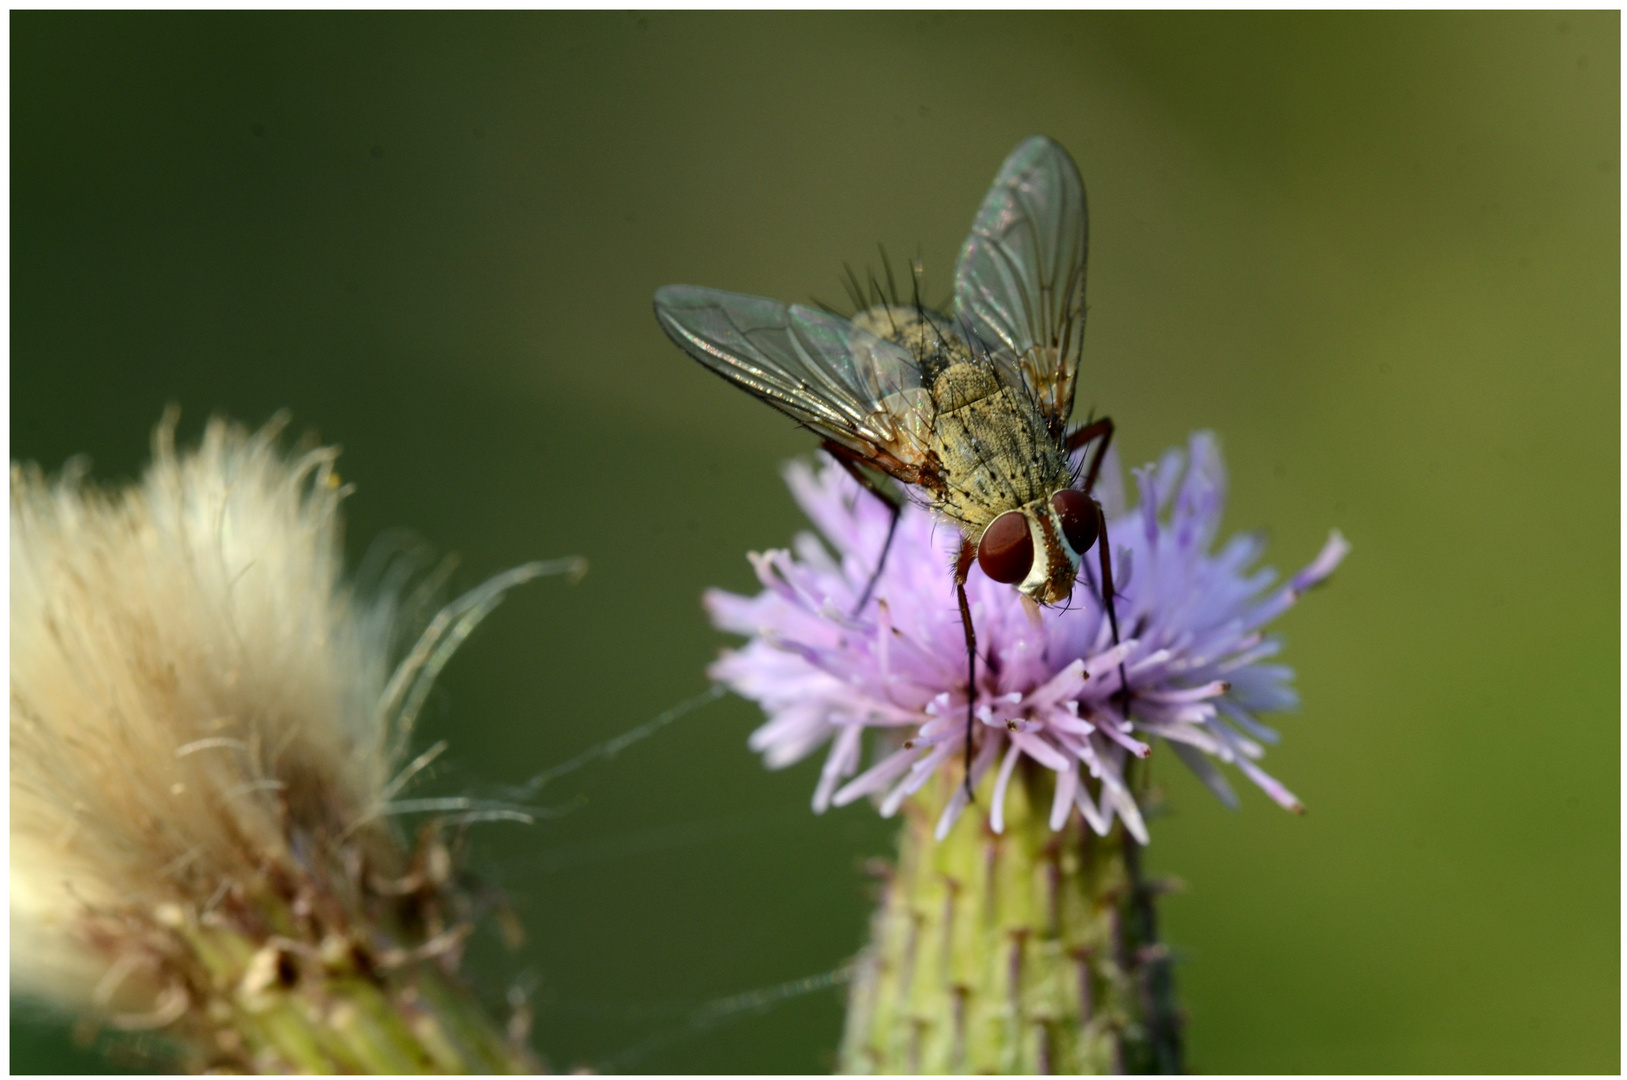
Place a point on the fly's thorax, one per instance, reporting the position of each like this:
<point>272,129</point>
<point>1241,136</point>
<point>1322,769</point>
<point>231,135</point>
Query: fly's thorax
<point>995,450</point>
<point>929,336</point>
<point>965,385</point>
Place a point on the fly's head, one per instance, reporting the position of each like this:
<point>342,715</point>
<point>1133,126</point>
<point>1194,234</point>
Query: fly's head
<point>1037,547</point>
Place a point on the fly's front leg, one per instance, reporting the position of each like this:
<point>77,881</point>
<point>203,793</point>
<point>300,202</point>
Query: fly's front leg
<point>963,566</point>
<point>851,461</point>
<point>1102,431</point>
<point>1107,602</point>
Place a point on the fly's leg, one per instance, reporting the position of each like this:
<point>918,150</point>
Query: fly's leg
<point>1102,431</point>
<point>963,566</point>
<point>1107,598</point>
<point>851,461</point>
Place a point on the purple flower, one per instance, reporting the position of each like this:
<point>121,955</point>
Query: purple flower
<point>1194,651</point>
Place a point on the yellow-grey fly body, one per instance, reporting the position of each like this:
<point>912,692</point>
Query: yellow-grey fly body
<point>969,410</point>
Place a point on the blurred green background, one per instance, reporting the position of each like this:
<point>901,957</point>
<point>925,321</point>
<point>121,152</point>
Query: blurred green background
<point>1377,253</point>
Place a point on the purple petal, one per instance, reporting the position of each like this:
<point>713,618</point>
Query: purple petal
<point>875,777</point>
<point>1196,693</point>
<point>957,802</point>
<point>1328,560</point>
<point>1067,782</point>
<point>1200,661</point>
<point>997,811</point>
<point>1097,821</point>
<point>1205,771</point>
<point>1038,749</point>
<point>840,762</point>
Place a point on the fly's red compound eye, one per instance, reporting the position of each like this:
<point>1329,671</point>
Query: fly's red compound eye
<point>1006,552</point>
<point>1078,518</point>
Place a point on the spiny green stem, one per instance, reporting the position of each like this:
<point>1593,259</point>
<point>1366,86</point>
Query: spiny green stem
<point>1026,951</point>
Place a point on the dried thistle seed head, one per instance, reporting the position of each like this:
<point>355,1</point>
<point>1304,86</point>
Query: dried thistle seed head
<point>207,724</point>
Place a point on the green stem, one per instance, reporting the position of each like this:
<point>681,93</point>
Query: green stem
<point>262,1006</point>
<point>1028,951</point>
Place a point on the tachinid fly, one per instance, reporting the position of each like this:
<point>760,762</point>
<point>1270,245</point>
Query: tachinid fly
<point>969,411</point>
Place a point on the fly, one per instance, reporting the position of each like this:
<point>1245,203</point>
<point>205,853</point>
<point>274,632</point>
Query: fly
<point>969,411</point>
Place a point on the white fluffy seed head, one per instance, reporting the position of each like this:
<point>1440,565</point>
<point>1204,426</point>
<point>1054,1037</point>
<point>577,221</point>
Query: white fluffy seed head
<point>198,702</point>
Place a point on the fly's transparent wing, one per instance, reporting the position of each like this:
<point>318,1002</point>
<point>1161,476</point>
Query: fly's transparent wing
<point>1020,281</point>
<point>846,383</point>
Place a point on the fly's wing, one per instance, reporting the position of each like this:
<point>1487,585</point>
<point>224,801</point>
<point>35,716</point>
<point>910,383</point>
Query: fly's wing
<point>1020,281</point>
<point>843,382</point>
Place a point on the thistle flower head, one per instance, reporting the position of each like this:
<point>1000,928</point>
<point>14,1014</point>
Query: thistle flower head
<point>207,728</point>
<point>1194,650</point>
